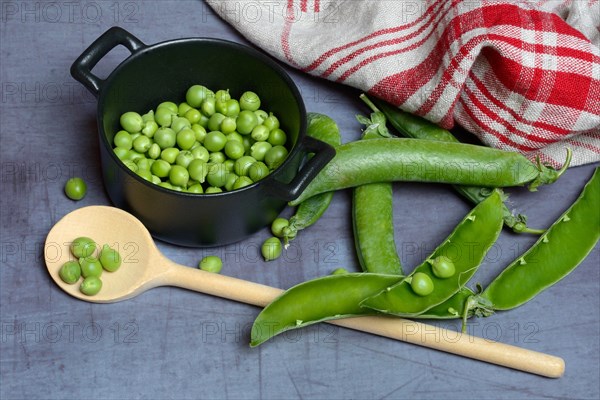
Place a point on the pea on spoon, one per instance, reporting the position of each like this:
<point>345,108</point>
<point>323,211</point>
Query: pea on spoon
<point>144,267</point>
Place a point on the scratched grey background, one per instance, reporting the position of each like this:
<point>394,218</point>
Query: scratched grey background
<point>172,343</point>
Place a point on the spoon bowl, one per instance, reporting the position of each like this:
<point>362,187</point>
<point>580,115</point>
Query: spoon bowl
<point>143,266</point>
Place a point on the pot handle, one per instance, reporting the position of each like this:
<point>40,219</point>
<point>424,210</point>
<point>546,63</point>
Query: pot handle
<point>81,69</point>
<point>322,154</point>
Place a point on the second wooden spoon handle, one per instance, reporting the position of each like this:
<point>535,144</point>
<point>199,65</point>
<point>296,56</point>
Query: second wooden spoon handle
<point>391,327</point>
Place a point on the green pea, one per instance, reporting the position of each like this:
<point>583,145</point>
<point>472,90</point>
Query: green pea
<point>70,272</point>
<point>196,94</point>
<point>123,139</point>
<point>230,180</point>
<point>249,101</point>
<point>197,170</point>
<point>145,174</point>
<point>275,156</point>
<point>215,141</point>
<point>154,151</point>
<point>142,144</point>
<point>277,137</point>
<point>148,117</point>
<point>169,154</point>
<point>169,105</point>
<point>200,153</point>
<point>131,121</point>
<point>222,95</point>
<point>164,116</point>
<point>193,115</point>
<point>232,108</point>
<point>196,188</point>
<point>186,138</point>
<point>234,149</point>
<point>91,286</point>
<point>260,133</point>
<point>160,168</point>
<point>259,149</point>
<point>178,176</point>
<point>217,157</point>
<point>258,171</point>
<point>165,137</point>
<point>442,267</point>
<point>208,107</point>
<point>271,122</point>
<point>235,137</point>
<point>278,225</point>
<point>212,190</point>
<point>184,158</point>
<point>180,123</point>
<point>110,258</point>
<point>246,121</point>
<point>82,246</point>
<point>211,264</point>
<point>131,165</point>
<point>121,152</point>
<point>200,132</point>
<point>75,188</point>
<point>261,115</point>
<point>90,266</point>
<point>228,125</point>
<point>421,284</point>
<point>214,122</point>
<point>183,109</point>
<point>271,249</point>
<point>242,181</point>
<point>150,128</point>
<point>217,174</point>
<point>242,165</point>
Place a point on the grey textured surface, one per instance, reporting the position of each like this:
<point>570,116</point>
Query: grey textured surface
<point>172,343</point>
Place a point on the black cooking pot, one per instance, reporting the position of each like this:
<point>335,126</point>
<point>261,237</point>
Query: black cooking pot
<point>163,72</point>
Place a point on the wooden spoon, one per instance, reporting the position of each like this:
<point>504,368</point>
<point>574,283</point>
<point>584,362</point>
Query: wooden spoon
<point>145,267</point>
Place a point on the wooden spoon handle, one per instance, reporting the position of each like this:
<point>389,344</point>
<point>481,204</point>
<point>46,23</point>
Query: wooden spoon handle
<point>458,343</point>
<point>391,327</point>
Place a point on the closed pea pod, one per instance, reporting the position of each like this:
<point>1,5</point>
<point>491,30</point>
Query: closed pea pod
<point>317,300</point>
<point>399,159</point>
<point>556,253</point>
<point>372,215</point>
<point>466,247</point>
<point>413,126</point>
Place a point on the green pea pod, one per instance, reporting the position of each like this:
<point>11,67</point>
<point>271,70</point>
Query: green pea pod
<point>324,128</point>
<point>400,159</point>
<point>372,216</point>
<point>465,247</point>
<point>413,126</point>
<point>317,300</point>
<point>556,253</point>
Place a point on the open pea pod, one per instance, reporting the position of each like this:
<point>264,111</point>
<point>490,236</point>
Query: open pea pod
<point>555,254</point>
<point>317,300</point>
<point>465,247</point>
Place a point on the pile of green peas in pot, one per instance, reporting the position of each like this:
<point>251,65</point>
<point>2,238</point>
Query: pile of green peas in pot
<point>209,143</point>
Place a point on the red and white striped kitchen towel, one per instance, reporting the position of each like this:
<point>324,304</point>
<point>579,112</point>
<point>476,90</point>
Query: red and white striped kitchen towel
<point>521,76</point>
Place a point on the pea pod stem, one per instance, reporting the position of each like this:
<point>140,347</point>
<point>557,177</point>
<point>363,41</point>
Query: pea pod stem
<point>412,126</point>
